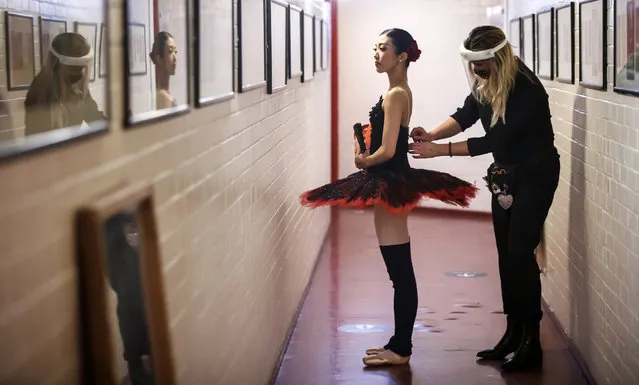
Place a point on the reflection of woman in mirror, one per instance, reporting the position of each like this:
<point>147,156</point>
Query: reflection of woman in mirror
<point>59,95</point>
<point>164,56</point>
<point>125,277</point>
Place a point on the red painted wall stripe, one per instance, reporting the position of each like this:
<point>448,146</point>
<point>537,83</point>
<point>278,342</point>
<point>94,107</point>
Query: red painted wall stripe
<point>334,95</point>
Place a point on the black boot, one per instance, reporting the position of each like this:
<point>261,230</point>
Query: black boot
<point>510,341</point>
<point>529,354</point>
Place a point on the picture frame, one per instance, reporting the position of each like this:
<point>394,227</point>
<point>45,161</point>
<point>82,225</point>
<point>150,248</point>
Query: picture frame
<point>104,51</point>
<point>308,47</point>
<point>214,79</point>
<point>90,32</point>
<point>276,46</point>
<point>565,43</point>
<point>528,41</point>
<point>119,263</point>
<point>50,27</point>
<point>592,44</point>
<point>295,42</point>
<point>317,44</point>
<point>325,39</point>
<point>626,54</point>
<point>514,35</point>
<point>545,47</point>
<point>20,50</point>
<point>138,52</point>
<point>252,71</point>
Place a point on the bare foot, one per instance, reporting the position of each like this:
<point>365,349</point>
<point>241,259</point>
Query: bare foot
<point>372,351</point>
<point>386,357</point>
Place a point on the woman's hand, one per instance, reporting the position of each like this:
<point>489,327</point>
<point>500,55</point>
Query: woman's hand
<point>360,160</point>
<point>419,134</point>
<point>422,150</point>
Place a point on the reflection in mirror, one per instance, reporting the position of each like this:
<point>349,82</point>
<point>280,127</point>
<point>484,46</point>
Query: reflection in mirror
<point>156,59</point>
<point>50,93</point>
<point>125,331</point>
<point>125,300</point>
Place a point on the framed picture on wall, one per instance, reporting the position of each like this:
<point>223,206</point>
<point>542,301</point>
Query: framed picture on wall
<point>528,41</point>
<point>20,50</point>
<point>276,38</point>
<point>137,49</point>
<point>317,43</point>
<point>251,45</point>
<point>90,32</point>
<point>545,44</point>
<point>123,300</point>
<point>626,46</point>
<point>325,39</point>
<point>514,36</point>
<point>104,51</point>
<point>307,47</point>
<point>565,43</point>
<point>214,57</point>
<point>592,44</point>
<point>295,43</point>
<point>49,28</point>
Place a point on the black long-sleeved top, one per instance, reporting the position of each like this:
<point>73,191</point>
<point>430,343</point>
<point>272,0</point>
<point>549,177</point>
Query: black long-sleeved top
<point>527,133</point>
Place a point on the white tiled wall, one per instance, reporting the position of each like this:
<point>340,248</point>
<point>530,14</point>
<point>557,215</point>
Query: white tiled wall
<point>437,79</point>
<point>237,247</point>
<point>592,233</point>
<point>86,11</point>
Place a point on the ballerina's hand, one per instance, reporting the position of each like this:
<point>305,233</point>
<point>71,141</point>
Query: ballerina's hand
<point>360,160</point>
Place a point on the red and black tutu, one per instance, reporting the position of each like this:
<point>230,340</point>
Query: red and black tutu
<point>398,190</point>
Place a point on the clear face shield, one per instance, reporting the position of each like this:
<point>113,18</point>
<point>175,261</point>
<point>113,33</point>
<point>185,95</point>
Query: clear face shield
<point>468,57</point>
<point>80,61</point>
<point>77,65</point>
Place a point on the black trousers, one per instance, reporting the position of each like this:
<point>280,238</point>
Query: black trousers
<point>517,233</point>
<point>125,278</point>
<point>400,270</point>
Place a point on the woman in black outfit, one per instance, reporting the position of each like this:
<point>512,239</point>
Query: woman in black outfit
<point>512,105</point>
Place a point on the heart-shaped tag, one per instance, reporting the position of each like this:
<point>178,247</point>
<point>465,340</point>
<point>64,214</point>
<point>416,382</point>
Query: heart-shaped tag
<point>505,201</point>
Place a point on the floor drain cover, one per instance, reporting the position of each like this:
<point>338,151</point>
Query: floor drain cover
<point>465,274</point>
<point>422,328</point>
<point>471,305</point>
<point>364,328</point>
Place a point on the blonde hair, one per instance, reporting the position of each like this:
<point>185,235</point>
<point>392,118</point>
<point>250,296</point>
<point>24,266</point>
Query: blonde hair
<point>50,89</point>
<point>496,89</point>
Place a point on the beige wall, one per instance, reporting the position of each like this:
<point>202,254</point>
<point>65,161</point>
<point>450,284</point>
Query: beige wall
<point>237,248</point>
<point>592,283</point>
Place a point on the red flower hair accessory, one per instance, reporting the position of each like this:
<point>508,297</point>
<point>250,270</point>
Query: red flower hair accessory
<point>413,52</point>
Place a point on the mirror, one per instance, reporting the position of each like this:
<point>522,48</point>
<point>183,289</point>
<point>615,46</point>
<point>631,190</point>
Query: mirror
<point>155,60</point>
<point>129,331</point>
<point>53,92</point>
<point>124,323</point>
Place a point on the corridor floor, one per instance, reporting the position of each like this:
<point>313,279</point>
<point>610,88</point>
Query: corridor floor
<point>349,308</point>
